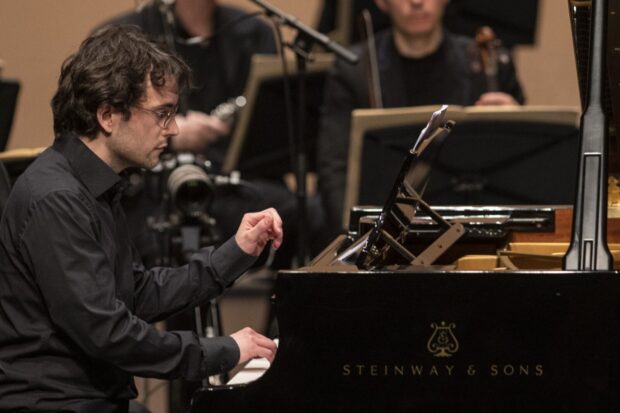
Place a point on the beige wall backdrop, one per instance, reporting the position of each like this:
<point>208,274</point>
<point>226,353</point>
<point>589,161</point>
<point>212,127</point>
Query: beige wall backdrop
<point>37,35</point>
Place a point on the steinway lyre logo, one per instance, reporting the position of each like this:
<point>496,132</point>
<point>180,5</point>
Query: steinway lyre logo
<point>443,342</point>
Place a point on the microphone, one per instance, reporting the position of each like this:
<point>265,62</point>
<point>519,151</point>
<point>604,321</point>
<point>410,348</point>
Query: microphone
<point>309,32</point>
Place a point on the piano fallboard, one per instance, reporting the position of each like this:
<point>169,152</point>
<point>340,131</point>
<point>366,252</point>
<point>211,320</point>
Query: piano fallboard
<point>438,341</point>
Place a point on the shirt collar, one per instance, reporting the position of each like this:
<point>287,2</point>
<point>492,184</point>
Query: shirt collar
<point>91,170</point>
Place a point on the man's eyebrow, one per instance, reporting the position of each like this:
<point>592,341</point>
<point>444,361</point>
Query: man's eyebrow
<point>165,106</point>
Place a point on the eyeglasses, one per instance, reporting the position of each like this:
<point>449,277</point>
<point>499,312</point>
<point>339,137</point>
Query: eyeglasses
<point>163,115</point>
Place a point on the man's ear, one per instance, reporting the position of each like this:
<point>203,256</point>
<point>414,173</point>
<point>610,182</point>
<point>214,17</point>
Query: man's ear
<point>105,118</point>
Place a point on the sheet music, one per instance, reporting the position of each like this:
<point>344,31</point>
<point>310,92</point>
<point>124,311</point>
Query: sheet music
<point>437,120</point>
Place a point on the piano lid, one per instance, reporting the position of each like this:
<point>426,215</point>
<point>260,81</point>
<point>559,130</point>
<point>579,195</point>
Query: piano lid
<point>441,342</point>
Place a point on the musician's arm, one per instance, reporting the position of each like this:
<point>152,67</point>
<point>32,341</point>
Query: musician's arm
<point>508,80</point>
<point>197,131</point>
<point>161,292</point>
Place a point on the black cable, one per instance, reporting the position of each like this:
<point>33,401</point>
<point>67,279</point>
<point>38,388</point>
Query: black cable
<point>288,98</point>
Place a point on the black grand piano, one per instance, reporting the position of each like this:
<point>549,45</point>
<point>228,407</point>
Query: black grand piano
<point>375,325</point>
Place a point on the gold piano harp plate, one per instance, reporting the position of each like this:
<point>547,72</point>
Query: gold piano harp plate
<point>525,256</point>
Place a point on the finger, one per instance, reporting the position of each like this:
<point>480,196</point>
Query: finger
<point>263,239</point>
<point>261,229</point>
<point>276,241</point>
<point>267,351</point>
<point>276,217</point>
<point>276,235</point>
<point>263,341</point>
<point>254,218</point>
<point>276,231</point>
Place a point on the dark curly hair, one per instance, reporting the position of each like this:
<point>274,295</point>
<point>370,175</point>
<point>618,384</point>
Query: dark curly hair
<point>111,68</point>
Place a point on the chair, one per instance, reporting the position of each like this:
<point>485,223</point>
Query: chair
<point>16,161</point>
<point>5,187</point>
<point>9,90</point>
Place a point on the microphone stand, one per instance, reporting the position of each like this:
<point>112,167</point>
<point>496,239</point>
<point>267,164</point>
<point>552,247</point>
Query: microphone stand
<point>306,37</point>
<point>302,56</point>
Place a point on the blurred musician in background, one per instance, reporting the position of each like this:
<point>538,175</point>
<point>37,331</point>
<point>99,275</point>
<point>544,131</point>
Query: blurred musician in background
<point>217,42</point>
<point>76,304</point>
<point>419,63</point>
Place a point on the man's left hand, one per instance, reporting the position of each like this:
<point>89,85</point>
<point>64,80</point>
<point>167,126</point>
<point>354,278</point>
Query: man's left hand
<point>257,229</point>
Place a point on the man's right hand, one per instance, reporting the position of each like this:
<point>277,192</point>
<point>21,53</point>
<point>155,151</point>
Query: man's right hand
<point>197,131</point>
<point>253,345</point>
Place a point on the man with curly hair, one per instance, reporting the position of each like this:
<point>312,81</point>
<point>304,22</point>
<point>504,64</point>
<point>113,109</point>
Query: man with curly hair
<point>75,307</point>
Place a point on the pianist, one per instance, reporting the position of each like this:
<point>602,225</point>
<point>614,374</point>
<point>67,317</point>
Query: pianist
<point>419,63</point>
<point>75,308</point>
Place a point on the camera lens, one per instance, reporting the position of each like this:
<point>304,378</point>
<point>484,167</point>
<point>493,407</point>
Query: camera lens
<point>191,190</point>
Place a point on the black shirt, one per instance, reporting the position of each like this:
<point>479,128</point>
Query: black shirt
<point>426,78</point>
<point>75,308</point>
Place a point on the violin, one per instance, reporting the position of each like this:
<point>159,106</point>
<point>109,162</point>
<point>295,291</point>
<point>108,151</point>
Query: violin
<point>372,66</point>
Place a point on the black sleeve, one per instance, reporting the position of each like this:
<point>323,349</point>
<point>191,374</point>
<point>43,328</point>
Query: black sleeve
<point>161,292</point>
<point>77,282</point>
<point>221,353</point>
<point>508,81</point>
<point>266,41</point>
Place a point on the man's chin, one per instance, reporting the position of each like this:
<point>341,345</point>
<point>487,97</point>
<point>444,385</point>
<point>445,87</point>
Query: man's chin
<point>149,161</point>
<point>420,32</point>
<point>419,28</point>
<point>152,163</point>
